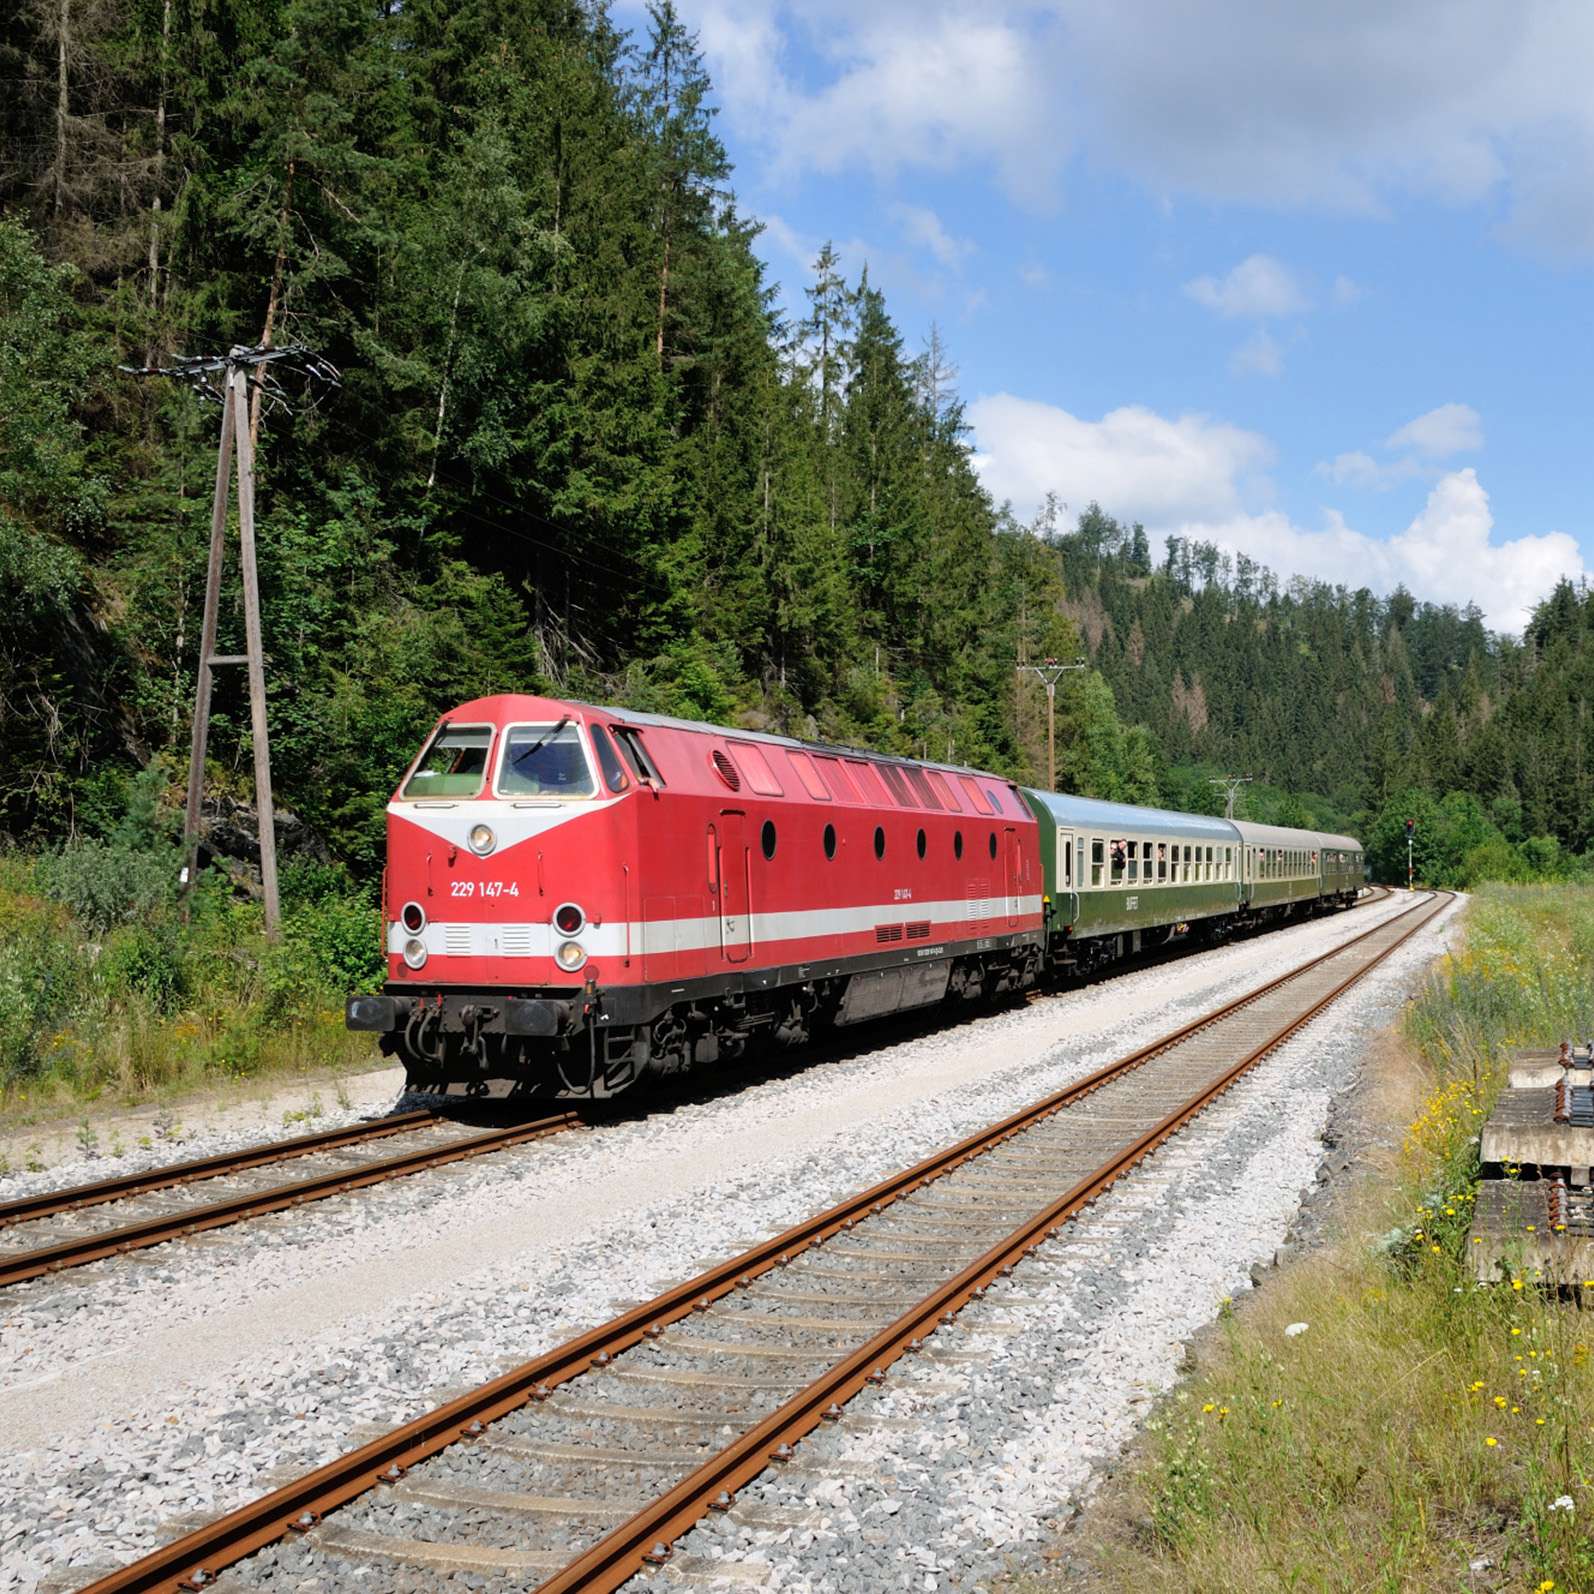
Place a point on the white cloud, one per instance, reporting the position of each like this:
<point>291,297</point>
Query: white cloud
<point>922,226</point>
<point>1450,429</point>
<point>1133,460</point>
<point>1258,287</point>
<point>1197,477</point>
<point>1348,108</point>
<point>1445,555</point>
<point>1034,275</point>
<point>1359,469</point>
<point>1259,355</point>
<point>1345,291</point>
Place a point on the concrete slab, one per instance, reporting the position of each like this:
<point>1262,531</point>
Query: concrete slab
<point>1522,1132</point>
<point>1540,1231</point>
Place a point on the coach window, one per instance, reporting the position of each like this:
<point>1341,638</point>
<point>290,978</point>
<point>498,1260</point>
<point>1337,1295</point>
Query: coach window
<point>957,843</point>
<point>767,838</point>
<point>1188,872</point>
<point>614,775</point>
<point>1098,859</point>
<point>1162,861</point>
<point>1132,871</point>
<point>830,841</point>
<point>879,842</point>
<point>453,764</point>
<point>1115,851</point>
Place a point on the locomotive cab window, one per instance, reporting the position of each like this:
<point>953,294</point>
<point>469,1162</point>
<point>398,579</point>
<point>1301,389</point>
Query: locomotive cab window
<point>636,755</point>
<point>614,775</point>
<point>544,761</point>
<point>454,763</point>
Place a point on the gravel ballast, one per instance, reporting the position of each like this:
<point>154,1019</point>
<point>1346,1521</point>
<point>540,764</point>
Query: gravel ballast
<point>132,1393</point>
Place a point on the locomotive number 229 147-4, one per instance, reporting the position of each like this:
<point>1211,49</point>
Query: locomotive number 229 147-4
<point>483,888</point>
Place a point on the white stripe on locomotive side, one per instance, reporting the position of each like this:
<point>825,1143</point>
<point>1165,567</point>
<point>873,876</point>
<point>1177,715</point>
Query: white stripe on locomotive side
<point>656,937</point>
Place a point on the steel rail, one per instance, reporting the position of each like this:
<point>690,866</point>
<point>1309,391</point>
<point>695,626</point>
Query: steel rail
<point>193,1561</point>
<point>646,1538</point>
<point>84,1248</point>
<point>71,1198</point>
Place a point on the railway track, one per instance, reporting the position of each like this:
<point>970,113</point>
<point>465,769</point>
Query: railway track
<point>56,1229</point>
<point>583,1466</point>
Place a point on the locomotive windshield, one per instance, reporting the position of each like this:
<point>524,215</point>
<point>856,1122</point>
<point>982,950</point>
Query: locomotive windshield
<point>544,761</point>
<point>453,764</point>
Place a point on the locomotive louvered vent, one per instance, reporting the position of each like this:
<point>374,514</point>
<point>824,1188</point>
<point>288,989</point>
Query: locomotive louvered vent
<point>514,940</point>
<point>726,770</point>
<point>887,932</point>
<point>456,940</point>
<point>919,931</point>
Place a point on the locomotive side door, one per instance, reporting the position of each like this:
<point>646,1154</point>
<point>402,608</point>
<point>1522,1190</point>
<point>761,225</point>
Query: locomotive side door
<point>1013,873</point>
<point>727,862</point>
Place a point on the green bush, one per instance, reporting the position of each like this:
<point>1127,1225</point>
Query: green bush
<point>328,949</point>
<point>42,982</point>
<point>144,960</point>
<point>109,883</point>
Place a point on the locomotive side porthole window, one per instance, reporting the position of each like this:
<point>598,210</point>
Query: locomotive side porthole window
<point>879,842</point>
<point>920,843</point>
<point>614,775</point>
<point>766,838</point>
<point>957,843</point>
<point>993,843</point>
<point>830,841</point>
<point>725,769</point>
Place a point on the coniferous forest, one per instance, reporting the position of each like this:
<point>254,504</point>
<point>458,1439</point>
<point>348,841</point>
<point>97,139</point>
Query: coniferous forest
<point>583,445</point>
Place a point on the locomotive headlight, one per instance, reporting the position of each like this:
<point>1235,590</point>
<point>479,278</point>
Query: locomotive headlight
<point>570,956</point>
<point>482,840</point>
<point>415,952</point>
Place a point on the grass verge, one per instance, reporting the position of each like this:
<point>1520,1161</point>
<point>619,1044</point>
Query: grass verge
<point>1418,1432</point>
<point>109,994</point>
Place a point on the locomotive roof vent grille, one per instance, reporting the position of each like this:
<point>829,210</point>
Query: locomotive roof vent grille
<point>725,769</point>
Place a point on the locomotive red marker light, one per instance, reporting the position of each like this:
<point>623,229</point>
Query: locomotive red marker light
<point>413,917</point>
<point>568,918</point>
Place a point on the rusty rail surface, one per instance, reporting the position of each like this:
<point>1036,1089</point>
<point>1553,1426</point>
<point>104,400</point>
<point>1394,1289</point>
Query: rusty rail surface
<point>49,1203</point>
<point>84,1248</point>
<point>194,1560</point>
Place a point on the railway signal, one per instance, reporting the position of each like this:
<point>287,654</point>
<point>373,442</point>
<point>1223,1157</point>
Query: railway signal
<point>1411,825</point>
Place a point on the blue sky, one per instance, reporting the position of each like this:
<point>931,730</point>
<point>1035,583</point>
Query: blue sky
<point>1312,283</point>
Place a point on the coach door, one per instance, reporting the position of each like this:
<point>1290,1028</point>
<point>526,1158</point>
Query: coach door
<point>1013,872</point>
<point>727,864</point>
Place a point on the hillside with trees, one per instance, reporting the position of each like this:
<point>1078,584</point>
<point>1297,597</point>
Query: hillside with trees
<point>579,448</point>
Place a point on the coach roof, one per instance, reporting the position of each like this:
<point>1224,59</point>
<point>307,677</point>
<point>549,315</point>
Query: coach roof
<point>1124,819</point>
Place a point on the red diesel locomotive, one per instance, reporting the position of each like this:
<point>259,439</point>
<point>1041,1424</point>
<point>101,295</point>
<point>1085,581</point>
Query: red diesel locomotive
<point>581,898</point>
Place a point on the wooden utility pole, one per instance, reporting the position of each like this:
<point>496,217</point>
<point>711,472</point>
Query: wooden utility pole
<point>1049,674</point>
<point>234,436</point>
<point>228,379</point>
<point>1230,785</point>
